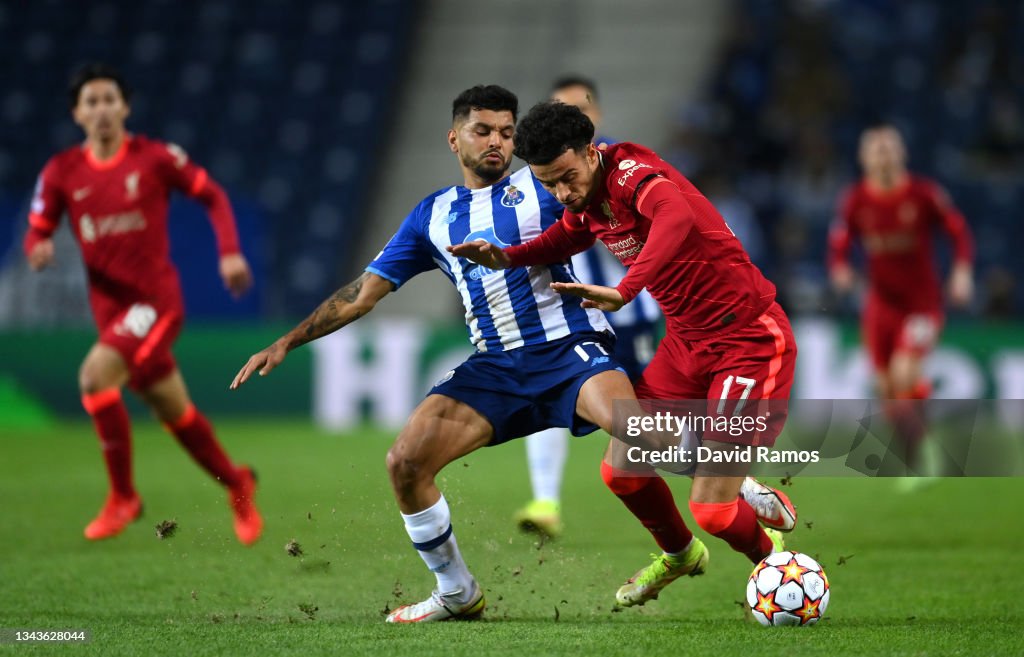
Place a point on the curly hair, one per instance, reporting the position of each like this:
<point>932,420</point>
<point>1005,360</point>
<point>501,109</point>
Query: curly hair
<point>550,129</point>
<point>488,97</point>
<point>96,71</point>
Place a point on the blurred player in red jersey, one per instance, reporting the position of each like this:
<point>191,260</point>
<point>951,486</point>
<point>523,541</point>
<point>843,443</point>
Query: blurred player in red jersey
<point>115,188</point>
<point>727,340</point>
<point>894,214</point>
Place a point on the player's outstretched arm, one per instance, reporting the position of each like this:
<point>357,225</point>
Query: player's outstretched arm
<point>605,299</point>
<point>343,307</point>
<point>481,252</point>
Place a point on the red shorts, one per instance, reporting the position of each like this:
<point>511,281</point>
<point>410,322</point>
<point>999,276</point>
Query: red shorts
<point>735,373</point>
<point>143,336</point>
<point>888,329</point>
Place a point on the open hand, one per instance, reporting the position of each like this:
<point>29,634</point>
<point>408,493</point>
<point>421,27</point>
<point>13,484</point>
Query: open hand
<point>481,252</point>
<point>263,362</point>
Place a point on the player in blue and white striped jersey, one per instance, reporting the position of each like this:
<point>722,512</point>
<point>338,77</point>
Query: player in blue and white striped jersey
<point>504,309</point>
<point>635,327</point>
<point>541,361</point>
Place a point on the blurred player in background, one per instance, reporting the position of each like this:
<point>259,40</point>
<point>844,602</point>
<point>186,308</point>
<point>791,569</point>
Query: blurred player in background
<point>727,340</point>
<point>541,359</point>
<point>634,345</point>
<point>115,189</point>
<point>894,214</point>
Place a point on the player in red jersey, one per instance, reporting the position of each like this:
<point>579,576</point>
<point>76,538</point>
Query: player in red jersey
<point>894,214</point>
<point>115,190</point>
<point>726,342</point>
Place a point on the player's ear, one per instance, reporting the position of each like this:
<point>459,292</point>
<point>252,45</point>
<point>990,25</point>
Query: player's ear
<point>452,140</point>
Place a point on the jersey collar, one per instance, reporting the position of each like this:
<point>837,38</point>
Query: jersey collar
<point>104,165</point>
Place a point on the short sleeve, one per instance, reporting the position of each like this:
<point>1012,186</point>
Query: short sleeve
<point>406,254</point>
<point>632,174</point>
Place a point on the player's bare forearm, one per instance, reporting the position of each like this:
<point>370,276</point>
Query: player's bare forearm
<point>343,307</point>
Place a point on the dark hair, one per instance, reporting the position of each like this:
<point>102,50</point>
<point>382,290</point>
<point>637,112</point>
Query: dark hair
<point>96,71</point>
<point>567,81</point>
<point>550,129</point>
<point>488,97</point>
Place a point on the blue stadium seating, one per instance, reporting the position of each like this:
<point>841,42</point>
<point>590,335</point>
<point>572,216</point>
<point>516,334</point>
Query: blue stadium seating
<point>278,99</point>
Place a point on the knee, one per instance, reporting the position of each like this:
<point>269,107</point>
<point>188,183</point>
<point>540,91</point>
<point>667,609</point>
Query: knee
<point>90,381</point>
<point>406,468</point>
<point>623,482</point>
<point>102,369</point>
<point>714,517</point>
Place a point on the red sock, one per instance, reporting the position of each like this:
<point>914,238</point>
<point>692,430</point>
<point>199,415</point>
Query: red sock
<point>906,413</point>
<point>110,417</point>
<point>650,500</point>
<point>195,434</point>
<point>736,524</point>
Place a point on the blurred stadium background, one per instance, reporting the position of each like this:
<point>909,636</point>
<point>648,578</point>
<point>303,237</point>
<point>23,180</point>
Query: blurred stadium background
<point>326,122</point>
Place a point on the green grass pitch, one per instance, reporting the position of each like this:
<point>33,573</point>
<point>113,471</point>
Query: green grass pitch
<point>935,572</point>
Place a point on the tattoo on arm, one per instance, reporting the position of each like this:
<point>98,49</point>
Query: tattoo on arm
<point>351,291</point>
<point>334,313</point>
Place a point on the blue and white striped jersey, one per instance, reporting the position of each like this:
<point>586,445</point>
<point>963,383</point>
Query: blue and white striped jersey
<point>504,309</point>
<point>598,266</point>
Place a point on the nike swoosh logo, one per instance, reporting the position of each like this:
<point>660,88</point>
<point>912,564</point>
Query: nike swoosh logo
<point>79,194</point>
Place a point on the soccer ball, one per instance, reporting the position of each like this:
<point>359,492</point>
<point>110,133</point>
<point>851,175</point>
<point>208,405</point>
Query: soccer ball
<point>788,588</point>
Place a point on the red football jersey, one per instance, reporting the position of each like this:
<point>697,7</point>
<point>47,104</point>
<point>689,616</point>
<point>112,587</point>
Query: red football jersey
<point>896,230</point>
<point>118,213</point>
<point>674,242</point>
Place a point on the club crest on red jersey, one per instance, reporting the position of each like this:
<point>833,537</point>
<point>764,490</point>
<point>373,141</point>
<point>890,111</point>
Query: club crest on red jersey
<point>606,208</point>
<point>131,186</point>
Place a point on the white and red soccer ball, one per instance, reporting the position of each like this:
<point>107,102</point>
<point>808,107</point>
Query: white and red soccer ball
<point>788,588</point>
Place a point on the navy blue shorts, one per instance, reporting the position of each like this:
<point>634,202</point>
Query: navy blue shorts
<point>525,390</point>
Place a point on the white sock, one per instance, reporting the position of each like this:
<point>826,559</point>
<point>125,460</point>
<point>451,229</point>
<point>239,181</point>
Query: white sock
<point>432,536</point>
<point>546,452</point>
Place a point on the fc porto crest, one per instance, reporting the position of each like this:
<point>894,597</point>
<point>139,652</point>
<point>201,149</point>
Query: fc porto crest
<point>512,197</point>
